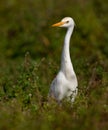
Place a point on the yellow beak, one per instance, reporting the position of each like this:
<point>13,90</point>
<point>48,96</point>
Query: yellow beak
<point>58,24</point>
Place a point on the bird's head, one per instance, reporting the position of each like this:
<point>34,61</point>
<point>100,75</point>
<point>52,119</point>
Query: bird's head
<point>65,22</point>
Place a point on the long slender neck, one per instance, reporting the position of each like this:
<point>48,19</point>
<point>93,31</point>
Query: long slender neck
<point>65,59</point>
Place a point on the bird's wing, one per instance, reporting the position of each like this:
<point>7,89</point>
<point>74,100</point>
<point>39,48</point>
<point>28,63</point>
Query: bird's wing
<point>52,87</point>
<point>56,88</point>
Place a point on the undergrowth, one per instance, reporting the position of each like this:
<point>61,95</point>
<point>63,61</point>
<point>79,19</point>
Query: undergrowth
<point>24,103</point>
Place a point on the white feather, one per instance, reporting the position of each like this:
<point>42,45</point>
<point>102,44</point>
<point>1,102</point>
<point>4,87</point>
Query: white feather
<point>65,83</point>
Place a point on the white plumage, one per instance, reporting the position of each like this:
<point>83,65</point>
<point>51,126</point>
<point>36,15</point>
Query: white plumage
<point>65,83</point>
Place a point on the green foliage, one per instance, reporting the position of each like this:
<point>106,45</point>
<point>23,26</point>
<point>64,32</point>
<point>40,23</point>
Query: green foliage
<point>25,29</point>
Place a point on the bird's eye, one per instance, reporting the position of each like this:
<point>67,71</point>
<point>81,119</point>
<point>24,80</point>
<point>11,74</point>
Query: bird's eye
<point>67,21</point>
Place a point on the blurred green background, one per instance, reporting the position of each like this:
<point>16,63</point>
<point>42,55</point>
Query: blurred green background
<point>26,26</point>
<point>30,52</point>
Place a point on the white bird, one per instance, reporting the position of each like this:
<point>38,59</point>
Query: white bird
<point>65,83</point>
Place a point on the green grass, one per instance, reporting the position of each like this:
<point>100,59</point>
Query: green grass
<point>30,57</point>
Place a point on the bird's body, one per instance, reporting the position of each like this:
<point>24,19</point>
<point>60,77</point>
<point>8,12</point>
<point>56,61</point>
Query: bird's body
<point>65,83</point>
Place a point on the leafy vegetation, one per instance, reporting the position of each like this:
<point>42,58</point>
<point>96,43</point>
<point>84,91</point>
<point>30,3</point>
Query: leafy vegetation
<point>29,59</point>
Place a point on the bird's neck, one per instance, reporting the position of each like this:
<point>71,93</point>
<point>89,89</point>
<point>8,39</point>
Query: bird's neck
<point>66,64</point>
